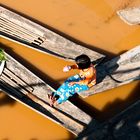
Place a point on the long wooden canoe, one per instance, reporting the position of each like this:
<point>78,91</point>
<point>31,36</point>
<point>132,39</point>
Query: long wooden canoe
<point>130,16</point>
<point>24,86</point>
<point>116,72</point>
<point>22,30</point>
<point>125,125</point>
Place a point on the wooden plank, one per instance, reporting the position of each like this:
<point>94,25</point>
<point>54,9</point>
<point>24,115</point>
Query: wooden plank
<point>9,33</point>
<point>9,88</point>
<point>16,26</point>
<point>46,40</point>
<point>130,16</point>
<point>17,79</point>
<point>12,83</point>
<point>14,30</point>
<point>66,115</point>
<point>116,72</point>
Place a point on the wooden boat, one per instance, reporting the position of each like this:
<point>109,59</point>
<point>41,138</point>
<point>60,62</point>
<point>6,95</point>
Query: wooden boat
<point>116,72</point>
<point>130,16</point>
<point>17,28</point>
<point>125,125</point>
<point>24,86</point>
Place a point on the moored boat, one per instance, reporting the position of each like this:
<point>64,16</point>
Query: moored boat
<point>21,84</point>
<point>22,30</point>
<point>116,72</point>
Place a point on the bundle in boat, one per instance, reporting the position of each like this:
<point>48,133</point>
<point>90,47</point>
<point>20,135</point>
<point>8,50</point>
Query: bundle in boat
<point>22,30</point>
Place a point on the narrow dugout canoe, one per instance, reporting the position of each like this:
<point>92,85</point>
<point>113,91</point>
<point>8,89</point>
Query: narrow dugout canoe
<point>22,30</point>
<point>24,86</point>
<point>116,72</point>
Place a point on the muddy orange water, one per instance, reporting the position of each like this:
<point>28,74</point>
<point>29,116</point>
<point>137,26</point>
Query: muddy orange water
<point>94,22</point>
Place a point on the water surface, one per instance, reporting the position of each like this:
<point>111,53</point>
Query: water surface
<point>93,22</point>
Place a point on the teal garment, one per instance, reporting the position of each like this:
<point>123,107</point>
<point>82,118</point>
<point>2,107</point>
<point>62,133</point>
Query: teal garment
<point>65,90</point>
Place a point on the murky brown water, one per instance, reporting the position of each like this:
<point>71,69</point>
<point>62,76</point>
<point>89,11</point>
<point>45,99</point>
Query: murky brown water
<point>93,22</point>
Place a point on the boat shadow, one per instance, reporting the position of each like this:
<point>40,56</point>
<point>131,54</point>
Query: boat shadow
<point>110,110</point>
<point>6,100</point>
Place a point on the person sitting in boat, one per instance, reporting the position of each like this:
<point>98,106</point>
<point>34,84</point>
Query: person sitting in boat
<point>77,83</point>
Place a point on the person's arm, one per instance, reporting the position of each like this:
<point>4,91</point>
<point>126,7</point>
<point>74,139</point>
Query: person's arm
<point>69,67</point>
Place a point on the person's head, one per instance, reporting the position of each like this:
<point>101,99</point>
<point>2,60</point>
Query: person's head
<point>83,61</point>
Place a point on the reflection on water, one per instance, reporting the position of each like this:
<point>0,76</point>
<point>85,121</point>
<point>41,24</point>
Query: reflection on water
<point>93,22</point>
